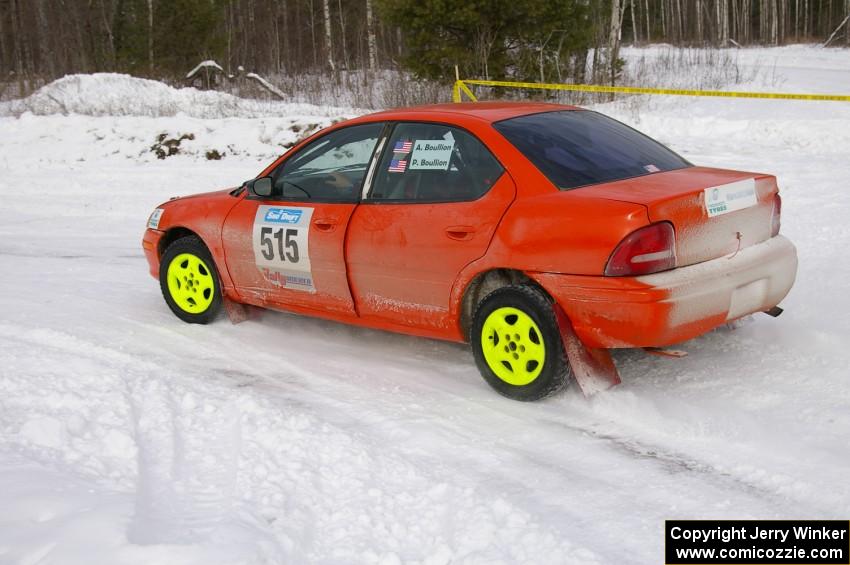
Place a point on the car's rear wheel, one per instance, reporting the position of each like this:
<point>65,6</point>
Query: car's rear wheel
<point>189,281</point>
<point>517,345</point>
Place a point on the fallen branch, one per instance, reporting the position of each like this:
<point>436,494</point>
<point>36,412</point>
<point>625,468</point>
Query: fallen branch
<point>267,85</point>
<point>832,35</point>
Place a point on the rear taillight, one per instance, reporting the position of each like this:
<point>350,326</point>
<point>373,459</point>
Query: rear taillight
<point>776,219</point>
<point>644,251</point>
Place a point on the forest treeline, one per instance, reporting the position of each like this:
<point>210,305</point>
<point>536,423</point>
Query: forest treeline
<point>525,39</point>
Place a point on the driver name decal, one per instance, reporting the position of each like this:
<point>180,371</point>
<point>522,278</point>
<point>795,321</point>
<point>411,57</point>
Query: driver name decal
<point>281,246</point>
<point>433,154</point>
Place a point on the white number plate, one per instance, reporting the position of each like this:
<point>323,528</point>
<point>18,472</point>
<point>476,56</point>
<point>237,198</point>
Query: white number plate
<point>281,246</point>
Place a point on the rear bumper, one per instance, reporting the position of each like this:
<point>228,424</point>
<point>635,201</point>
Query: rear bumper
<point>150,245</point>
<point>677,305</point>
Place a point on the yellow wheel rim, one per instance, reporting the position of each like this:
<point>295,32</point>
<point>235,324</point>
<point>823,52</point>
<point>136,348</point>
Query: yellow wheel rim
<point>190,283</point>
<point>513,346</point>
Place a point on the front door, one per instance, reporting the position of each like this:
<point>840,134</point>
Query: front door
<point>436,199</point>
<point>287,250</point>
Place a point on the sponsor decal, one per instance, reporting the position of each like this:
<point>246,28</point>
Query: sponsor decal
<point>153,221</point>
<point>730,197</point>
<point>651,168</point>
<point>283,215</point>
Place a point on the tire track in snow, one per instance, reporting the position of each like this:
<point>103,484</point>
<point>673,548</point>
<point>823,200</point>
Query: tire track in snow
<point>325,475</point>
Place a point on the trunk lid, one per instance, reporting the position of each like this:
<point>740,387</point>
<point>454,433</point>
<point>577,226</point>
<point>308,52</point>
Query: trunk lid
<point>714,211</point>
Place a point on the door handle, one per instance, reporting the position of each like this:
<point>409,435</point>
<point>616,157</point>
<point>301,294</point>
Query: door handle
<point>460,233</point>
<point>325,224</point>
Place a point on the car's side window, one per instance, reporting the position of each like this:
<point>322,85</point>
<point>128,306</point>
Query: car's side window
<point>426,162</point>
<point>331,168</point>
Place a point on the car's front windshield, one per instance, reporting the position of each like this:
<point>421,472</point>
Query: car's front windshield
<point>576,148</point>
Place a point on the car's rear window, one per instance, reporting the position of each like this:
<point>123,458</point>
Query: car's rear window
<point>578,147</point>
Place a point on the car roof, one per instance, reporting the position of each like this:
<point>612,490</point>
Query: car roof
<point>485,111</point>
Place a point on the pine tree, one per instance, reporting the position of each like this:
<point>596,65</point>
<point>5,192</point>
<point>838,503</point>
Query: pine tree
<point>494,39</point>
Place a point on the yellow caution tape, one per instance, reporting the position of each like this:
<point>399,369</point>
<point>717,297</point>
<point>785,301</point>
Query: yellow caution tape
<point>460,86</point>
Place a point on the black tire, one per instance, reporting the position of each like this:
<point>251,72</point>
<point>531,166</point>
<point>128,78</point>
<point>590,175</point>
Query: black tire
<point>556,371</point>
<point>193,245</point>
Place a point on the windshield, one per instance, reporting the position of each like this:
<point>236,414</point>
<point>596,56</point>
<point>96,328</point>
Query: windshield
<point>576,148</point>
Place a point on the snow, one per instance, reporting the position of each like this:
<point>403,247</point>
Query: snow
<point>110,94</point>
<point>129,437</point>
<point>208,64</point>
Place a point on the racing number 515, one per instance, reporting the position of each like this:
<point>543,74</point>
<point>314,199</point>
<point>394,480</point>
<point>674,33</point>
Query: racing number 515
<point>285,241</point>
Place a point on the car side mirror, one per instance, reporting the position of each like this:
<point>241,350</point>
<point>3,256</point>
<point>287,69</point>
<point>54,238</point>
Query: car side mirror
<point>260,187</point>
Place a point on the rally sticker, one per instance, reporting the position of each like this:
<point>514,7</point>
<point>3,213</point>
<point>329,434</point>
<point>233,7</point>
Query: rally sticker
<point>730,197</point>
<point>432,154</point>
<point>153,221</point>
<point>281,251</point>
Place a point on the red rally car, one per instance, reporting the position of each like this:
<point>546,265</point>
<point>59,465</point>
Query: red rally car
<point>541,234</point>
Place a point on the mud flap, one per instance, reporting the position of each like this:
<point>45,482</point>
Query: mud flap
<point>594,369</point>
<point>238,312</point>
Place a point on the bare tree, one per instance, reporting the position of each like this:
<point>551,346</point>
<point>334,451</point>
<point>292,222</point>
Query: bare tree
<point>614,30</point>
<point>698,7</point>
<point>634,27</point>
<point>370,37</point>
<point>329,46</point>
<point>150,36</point>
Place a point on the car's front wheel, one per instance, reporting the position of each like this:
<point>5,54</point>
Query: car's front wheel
<point>189,281</point>
<point>517,344</point>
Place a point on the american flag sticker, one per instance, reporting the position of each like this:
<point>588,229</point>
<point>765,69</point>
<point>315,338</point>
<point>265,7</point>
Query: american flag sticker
<point>397,166</point>
<point>403,147</point>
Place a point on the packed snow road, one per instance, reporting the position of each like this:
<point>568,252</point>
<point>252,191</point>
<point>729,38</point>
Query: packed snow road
<point>127,436</point>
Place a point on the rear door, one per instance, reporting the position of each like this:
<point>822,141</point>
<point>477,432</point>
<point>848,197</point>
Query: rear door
<point>435,200</point>
<point>287,250</point>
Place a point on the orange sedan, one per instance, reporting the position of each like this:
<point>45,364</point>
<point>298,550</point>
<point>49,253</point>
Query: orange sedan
<point>541,234</point>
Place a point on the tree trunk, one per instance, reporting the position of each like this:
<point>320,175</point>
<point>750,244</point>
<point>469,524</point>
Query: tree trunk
<point>846,15</point>
<point>698,8</point>
<point>150,36</point>
<point>287,55</point>
<point>343,42</point>
<point>774,23</point>
<point>3,55</point>
<point>18,48</point>
<point>832,35</point>
<point>614,40</point>
<point>313,34</point>
<point>634,27</point>
<point>329,47</point>
<point>107,19</point>
<point>371,41</point>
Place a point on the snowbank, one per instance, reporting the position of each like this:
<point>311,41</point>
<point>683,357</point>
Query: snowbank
<point>109,94</point>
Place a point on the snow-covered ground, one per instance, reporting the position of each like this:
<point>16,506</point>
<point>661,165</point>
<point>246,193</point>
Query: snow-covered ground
<point>127,436</point>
